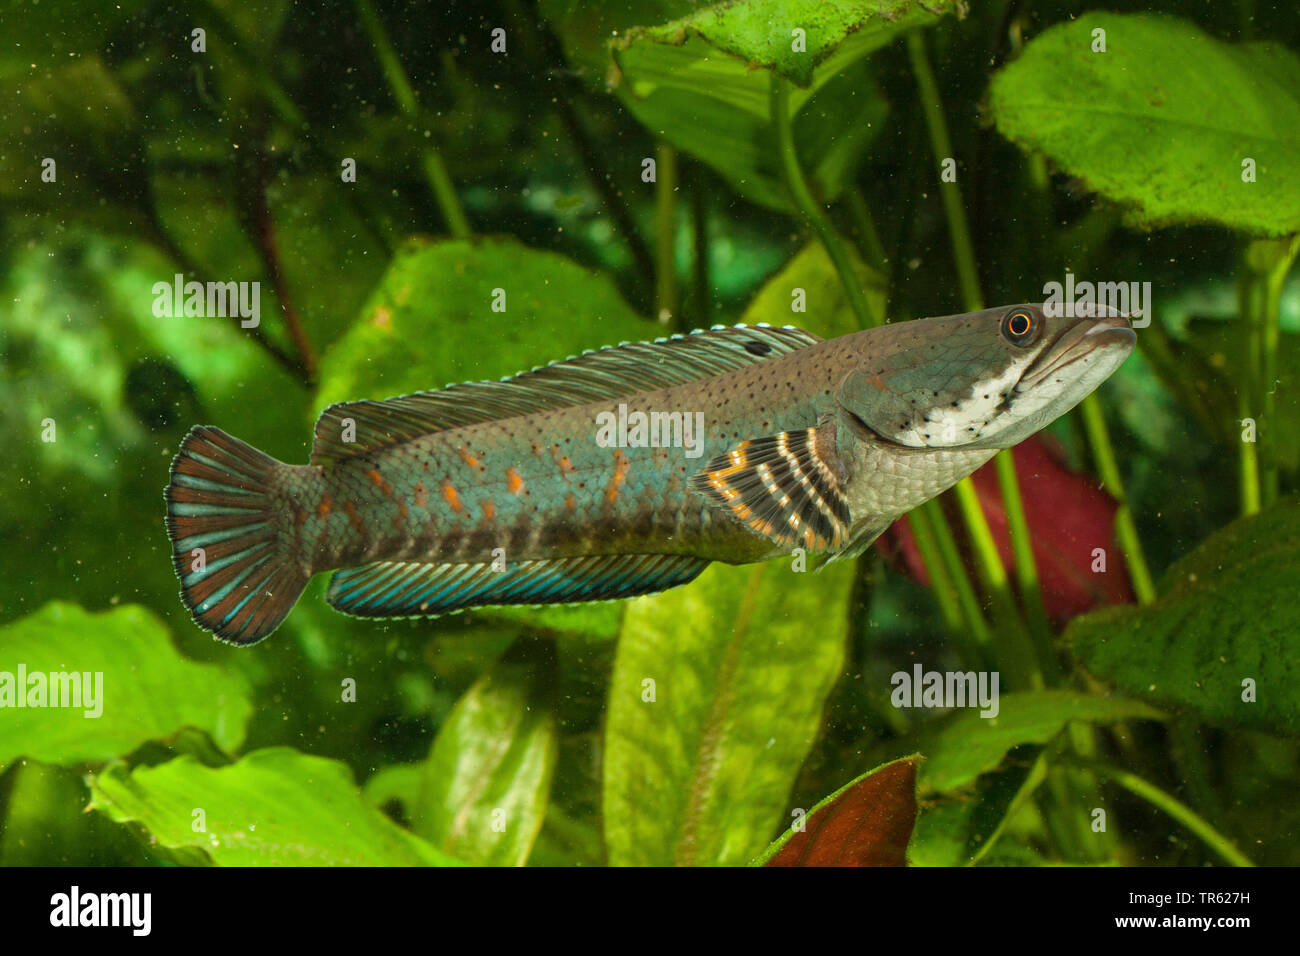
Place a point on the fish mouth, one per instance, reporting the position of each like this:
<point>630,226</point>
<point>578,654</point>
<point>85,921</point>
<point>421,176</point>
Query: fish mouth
<point>1079,341</point>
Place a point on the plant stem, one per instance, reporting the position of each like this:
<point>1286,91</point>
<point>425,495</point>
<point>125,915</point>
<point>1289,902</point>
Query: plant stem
<point>541,51</point>
<point>1267,263</point>
<point>812,212</point>
<point>1171,806</point>
<point>873,249</point>
<point>1015,651</point>
<point>1094,424</point>
<point>258,222</point>
<point>435,170</point>
<point>949,554</point>
<point>951,608</point>
<point>666,234</point>
<point>701,304</point>
<point>1031,594</point>
<point>958,228</point>
<point>444,191</point>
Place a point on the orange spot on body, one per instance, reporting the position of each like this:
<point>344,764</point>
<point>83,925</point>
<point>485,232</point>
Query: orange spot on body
<point>354,519</point>
<point>489,510</point>
<point>467,457</point>
<point>452,496</point>
<point>514,481</point>
<point>421,495</point>
<point>570,502</point>
<point>325,507</point>
<point>382,317</point>
<point>621,465</point>
<point>378,481</point>
<point>566,466</point>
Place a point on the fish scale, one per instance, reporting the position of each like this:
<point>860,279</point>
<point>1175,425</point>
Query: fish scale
<point>507,492</point>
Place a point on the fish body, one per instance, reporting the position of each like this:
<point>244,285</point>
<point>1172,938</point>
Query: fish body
<point>623,471</point>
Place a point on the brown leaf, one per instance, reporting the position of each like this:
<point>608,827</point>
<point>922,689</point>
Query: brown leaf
<point>868,823</point>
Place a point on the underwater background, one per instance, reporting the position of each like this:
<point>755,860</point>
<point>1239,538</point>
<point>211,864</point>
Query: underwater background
<point>429,193</point>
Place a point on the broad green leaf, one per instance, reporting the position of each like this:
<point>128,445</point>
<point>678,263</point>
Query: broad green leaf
<point>703,82</point>
<point>484,787</point>
<point>867,822</point>
<point>431,321</point>
<point>1222,641</point>
<point>140,687</point>
<point>275,807</point>
<point>755,34</point>
<point>715,699</point>
<point>967,745</point>
<point>828,312</point>
<point>1163,120</point>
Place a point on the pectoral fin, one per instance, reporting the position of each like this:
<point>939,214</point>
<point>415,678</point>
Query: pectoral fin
<point>786,487</point>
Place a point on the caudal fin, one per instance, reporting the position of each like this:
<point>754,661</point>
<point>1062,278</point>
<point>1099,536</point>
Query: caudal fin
<point>238,576</point>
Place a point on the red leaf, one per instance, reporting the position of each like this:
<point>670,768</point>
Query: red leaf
<point>868,823</point>
<point>1069,516</point>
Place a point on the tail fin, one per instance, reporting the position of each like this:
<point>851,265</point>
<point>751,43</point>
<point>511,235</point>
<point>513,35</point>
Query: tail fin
<point>227,528</point>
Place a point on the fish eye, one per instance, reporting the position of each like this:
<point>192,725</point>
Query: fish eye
<point>1018,327</point>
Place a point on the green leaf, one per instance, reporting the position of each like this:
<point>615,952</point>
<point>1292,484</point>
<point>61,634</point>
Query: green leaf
<point>143,688</point>
<point>760,34</point>
<point>1162,120</point>
<point>967,745</point>
<point>831,128</point>
<point>702,83</point>
<point>716,698</point>
<point>867,822</point>
<point>275,807</point>
<point>828,311</point>
<point>431,322</point>
<point>1224,616</point>
<point>484,787</point>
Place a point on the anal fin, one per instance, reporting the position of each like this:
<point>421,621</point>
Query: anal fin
<point>414,589</point>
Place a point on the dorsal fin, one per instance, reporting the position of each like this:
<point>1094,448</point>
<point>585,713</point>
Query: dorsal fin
<point>592,376</point>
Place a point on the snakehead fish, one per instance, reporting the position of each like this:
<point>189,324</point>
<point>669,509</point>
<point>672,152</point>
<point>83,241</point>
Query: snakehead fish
<point>522,491</point>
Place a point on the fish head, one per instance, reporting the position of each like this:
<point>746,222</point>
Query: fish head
<point>985,379</point>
